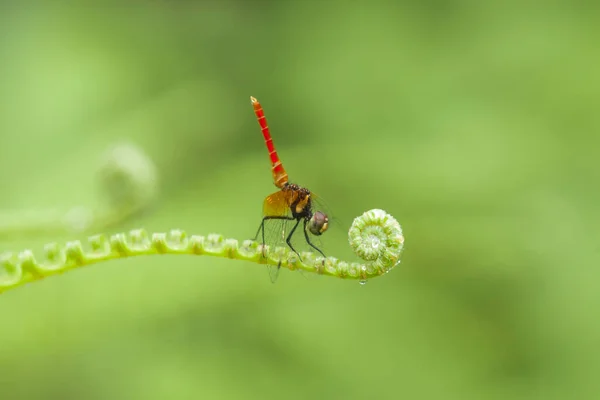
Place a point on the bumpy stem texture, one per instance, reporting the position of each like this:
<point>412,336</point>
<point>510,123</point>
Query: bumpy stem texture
<point>375,236</point>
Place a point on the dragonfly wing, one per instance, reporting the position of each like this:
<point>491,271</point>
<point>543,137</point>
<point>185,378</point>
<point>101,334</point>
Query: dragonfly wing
<point>319,204</point>
<point>276,205</point>
<point>275,230</point>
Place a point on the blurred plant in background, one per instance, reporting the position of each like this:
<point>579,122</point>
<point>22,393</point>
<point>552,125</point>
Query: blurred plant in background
<point>127,184</point>
<point>473,123</point>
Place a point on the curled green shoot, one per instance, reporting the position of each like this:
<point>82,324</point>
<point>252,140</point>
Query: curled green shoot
<point>376,237</point>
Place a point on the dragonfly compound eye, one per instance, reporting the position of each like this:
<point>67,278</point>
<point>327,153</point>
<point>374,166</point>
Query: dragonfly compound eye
<point>318,223</point>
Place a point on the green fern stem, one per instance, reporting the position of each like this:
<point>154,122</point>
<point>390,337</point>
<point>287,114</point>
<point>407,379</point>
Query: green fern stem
<point>375,236</point>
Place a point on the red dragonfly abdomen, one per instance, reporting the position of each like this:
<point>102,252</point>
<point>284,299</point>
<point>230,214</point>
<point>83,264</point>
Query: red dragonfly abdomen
<point>280,177</point>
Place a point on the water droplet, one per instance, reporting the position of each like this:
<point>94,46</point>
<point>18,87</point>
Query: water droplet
<point>362,282</point>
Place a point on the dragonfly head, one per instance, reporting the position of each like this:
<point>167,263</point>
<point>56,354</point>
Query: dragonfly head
<point>318,223</point>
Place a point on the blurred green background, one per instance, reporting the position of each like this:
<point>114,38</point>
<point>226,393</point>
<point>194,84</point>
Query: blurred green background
<point>474,123</point>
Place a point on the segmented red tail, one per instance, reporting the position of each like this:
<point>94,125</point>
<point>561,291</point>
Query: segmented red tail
<point>280,177</point>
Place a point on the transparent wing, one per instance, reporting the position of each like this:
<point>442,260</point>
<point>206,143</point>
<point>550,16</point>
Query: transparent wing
<point>319,204</point>
<point>275,230</point>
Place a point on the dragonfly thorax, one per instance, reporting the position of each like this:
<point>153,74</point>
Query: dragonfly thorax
<point>300,204</point>
<point>298,199</point>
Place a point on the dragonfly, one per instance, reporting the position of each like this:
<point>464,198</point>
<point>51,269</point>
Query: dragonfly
<point>292,203</point>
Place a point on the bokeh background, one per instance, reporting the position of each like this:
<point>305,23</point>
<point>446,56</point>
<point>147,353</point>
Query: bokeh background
<point>474,123</point>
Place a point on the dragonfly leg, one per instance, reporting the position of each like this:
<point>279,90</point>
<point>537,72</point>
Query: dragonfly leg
<point>308,240</point>
<point>289,238</point>
<point>261,227</point>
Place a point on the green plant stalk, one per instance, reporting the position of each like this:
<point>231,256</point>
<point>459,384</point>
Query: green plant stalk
<point>375,236</point>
